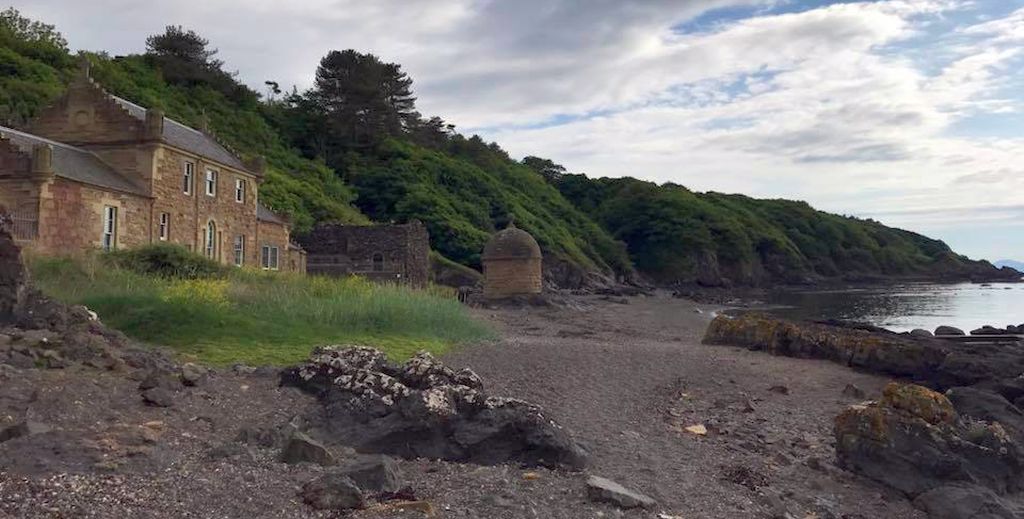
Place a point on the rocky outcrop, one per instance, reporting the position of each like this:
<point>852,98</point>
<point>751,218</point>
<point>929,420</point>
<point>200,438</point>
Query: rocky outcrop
<point>36,331</point>
<point>936,362</point>
<point>914,440</point>
<point>424,409</point>
<point>869,349</point>
<point>13,278</point>
<point>966,442</point>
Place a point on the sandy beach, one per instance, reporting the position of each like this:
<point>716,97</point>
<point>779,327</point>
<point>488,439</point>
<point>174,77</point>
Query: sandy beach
<point>625,376</point>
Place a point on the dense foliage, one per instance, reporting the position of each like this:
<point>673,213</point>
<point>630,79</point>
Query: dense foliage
<point>35,65</point>
<point>676,235</point>
<point>165,260</point>
<point>353,148</point>
<point>360,118</point>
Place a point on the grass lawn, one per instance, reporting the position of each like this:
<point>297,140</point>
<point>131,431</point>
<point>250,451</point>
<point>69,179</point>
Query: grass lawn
<point>259,318</point>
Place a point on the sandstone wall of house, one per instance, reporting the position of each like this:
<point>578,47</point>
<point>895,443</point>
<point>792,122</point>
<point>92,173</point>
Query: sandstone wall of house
<point>277,235</point>
<point>85,114</point>
<point>71,218</point>
<point>510,277</point>
<point>191,213</point>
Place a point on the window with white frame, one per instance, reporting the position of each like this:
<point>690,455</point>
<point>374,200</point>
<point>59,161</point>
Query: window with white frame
<point>240,190</point>
<point>211,240</point>
<point>109,238</point>
<point>165,226</point>
<point>239,250</point>
<point>188,178</point>
<point>269,257</point>
<point>211,182</point>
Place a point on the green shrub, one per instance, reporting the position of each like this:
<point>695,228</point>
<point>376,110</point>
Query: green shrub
<point>166,260</point>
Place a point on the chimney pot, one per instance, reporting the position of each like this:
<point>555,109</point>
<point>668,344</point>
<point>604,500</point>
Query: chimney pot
<point>42,159</point>
<point>257,164</point>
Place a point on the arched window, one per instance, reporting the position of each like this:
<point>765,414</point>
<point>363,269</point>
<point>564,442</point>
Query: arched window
<point>378,262</point>
<point>211,240</point>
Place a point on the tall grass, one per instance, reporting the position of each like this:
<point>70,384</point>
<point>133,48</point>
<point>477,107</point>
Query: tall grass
<point>255,317</point>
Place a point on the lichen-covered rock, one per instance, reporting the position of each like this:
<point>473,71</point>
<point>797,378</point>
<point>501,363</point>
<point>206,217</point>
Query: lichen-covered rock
<point>874,350</point>
<point>913,440</point>
<point>920,402</point>
<point>425,409</point>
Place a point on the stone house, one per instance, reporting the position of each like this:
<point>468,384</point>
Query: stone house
<point>94,171</point>
<point>385,253</point>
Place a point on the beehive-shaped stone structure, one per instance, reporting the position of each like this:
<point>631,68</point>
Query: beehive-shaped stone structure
<point>512,264</point>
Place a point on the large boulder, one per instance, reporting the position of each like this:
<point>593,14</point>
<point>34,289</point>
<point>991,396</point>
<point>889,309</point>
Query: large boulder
<point>948,331</point>
<point>913,440</point>
<point>425,409</point>
<point>989,407</point>
<point>333,491</point>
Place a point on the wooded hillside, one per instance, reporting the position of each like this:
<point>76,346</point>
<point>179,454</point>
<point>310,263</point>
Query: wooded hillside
<point>353,148</point>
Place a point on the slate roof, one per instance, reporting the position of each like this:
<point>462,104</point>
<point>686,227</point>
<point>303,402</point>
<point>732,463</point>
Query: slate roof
<point>186,138</point>
<point>74,163</point>
<point>266,215</point>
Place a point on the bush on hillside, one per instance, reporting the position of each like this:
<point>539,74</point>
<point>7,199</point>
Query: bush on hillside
<point>165,260</point>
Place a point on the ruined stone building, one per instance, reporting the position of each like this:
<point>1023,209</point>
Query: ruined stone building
<point>512,264</point>
<point>94,171</point>
<point>385,253</point>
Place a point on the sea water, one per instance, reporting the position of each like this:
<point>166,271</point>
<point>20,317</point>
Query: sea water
<point>904,307</point>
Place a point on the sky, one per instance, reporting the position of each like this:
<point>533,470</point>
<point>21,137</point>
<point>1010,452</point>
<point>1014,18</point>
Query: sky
<point>910,112</point>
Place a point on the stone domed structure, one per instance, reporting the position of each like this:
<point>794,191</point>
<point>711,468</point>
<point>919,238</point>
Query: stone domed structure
<point>512,264</point>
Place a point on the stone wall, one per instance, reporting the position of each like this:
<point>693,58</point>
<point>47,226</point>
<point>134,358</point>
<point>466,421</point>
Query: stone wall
<point>386,253</point>
<point>511,277</point>
<point>277,235</point>
<point>86,115</point>
<point>191,213</point>
<point>71,218</point>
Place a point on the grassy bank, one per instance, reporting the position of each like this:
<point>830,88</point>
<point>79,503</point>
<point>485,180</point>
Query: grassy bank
<point>257,318</point>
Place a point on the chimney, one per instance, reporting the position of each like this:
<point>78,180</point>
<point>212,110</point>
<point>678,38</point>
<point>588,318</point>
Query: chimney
<point>257,164</point>
<point>204,123</point>
<point>84,66</point>
<point>154,124</point>
<point>42,160</point>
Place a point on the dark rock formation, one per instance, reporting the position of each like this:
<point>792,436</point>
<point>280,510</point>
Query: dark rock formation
<point>873,350</point>
<point>960,500</point>
<point>915,441</point>
<point>373,473</point>
<point>967,443</point>
<point>13,279</point>
<point>425,409</point>
<point>41,332</point>
<point>303,449</point>
<point>938,363</point>
<point>158,397</point>
<point>333,492</point>
<point>948,330</point>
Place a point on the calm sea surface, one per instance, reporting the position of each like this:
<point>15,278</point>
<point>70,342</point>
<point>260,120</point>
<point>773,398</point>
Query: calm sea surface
<point>905,307</point>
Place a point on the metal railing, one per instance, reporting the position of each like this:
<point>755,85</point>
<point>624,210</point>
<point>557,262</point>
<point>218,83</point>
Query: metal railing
<point>24,224</point>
